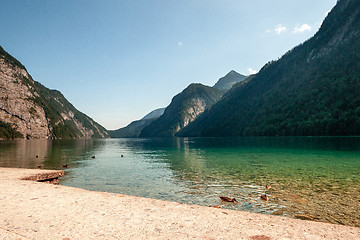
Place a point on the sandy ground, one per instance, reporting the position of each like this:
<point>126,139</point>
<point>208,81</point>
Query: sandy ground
<point>35,210</point>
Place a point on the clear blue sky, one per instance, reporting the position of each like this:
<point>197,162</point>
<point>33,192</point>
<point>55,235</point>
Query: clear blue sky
<point>116,60</point>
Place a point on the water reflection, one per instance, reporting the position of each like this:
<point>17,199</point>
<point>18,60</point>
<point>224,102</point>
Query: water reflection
<point>47,154</point>
<point>307,174</point>
<point>24,154</point>
<point>317,177</point>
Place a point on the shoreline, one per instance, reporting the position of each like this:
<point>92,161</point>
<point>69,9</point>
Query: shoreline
<point>36,210</point>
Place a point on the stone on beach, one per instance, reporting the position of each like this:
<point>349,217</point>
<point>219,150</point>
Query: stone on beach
<point>227,199</point>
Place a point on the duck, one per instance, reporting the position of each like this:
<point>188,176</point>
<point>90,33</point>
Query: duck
<point>264,197</point>
<point>227,199</point>
<point>65,166</point>
<point>93,157</point>
<point>122,155</point>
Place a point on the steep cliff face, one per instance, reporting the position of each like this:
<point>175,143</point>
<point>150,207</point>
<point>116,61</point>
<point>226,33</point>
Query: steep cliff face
<point>196,107</point>
<point>183,109</point>
<point>16,105</point>
<point>30,110</point>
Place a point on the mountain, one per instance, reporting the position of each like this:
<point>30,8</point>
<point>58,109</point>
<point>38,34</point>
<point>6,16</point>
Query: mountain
<point>183,109</point>
<point>30,110</point>
<point>134,128</point>
<point>154,114</point>
<point>226,82</point>
<point>314,89</point>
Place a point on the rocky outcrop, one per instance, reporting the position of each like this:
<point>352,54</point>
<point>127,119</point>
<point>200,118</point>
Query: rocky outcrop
<point>16,105</point>
<point>33,111</point>
<point>196,107</point>
<point>183,109</point>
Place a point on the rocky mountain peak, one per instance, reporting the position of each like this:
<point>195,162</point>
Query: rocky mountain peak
<point>230,79</point>
<point>30,110</point>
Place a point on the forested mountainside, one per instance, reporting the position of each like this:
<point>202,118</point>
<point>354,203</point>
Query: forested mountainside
<point>314,89</point>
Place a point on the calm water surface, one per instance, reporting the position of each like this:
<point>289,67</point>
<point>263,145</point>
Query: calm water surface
<point>313,178</point>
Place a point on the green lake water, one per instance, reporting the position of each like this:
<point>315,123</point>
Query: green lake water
<point>314,178</point>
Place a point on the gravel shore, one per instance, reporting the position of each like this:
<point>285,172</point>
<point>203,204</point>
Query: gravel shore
<point>36,210</point>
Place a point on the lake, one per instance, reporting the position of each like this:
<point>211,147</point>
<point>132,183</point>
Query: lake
<point>315,178</point>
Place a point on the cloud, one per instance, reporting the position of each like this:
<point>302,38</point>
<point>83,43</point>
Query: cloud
<point>252,71</point>
<point>180,44</point>
<point>303,28</point>
<point>280,28</point>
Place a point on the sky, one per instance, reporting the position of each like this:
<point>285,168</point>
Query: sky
<point>117,60</point>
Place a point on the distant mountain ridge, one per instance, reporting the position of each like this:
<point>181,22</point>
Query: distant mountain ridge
<point>154,114</point>
<point>30,110</point>
<point>183,109</point>
<point>314,89</point>
<point>134,128</point>
<point>188,105</point>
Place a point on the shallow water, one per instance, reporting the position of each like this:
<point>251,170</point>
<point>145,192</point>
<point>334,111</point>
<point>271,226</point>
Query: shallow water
<point>311,178</point>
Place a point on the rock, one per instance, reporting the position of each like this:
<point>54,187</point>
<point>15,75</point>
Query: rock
<point>264,197</point>
<point>44,176</point>
<point>260,237</point>
<point>304,217</point>
<point>227,199</point>
<point>216,206</point>
<point>54,181</point>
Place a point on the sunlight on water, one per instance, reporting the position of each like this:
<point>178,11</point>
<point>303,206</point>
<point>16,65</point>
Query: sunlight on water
<point>311,178</point>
